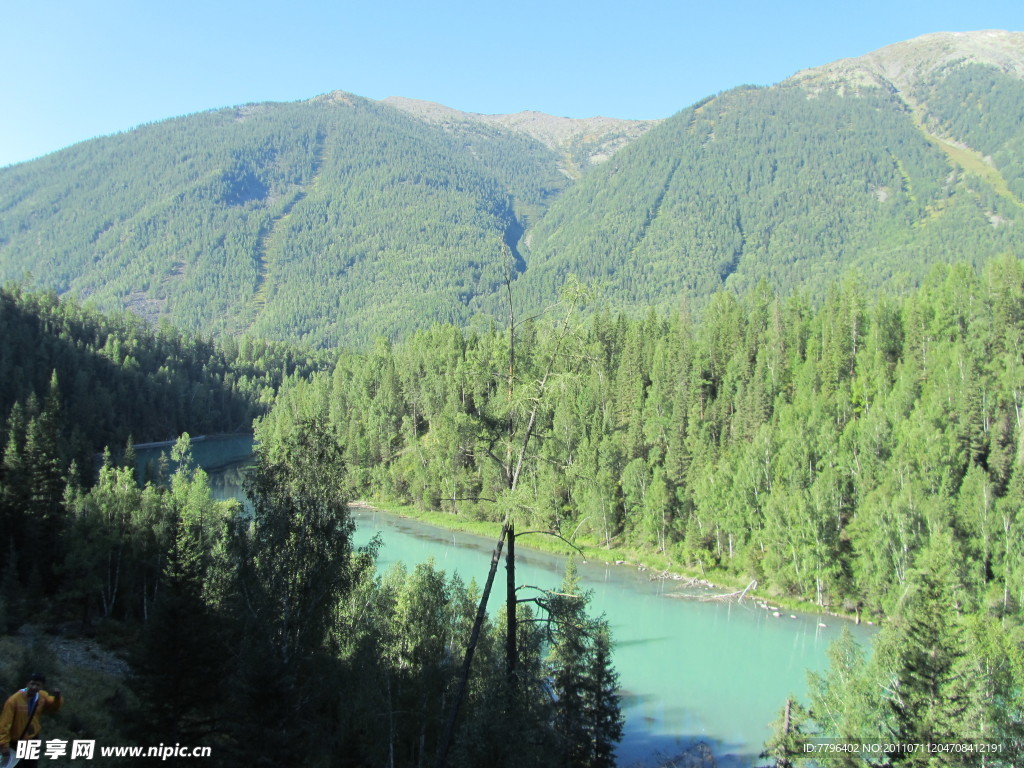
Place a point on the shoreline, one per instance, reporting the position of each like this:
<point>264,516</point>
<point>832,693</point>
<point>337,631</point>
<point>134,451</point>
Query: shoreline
<point>664,569</point>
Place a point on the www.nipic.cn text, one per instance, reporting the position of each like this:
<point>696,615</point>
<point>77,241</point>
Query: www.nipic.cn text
<point>86,750</point>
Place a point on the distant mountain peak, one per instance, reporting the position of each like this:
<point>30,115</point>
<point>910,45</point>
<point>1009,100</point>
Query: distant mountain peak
<point>904,65</point>
<point>343,98</point>
<point>599,137</point>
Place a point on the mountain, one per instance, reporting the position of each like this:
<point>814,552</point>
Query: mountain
<point>338,219</point>
<point>903,67</point>
<point>331,220</point>
<point>886,164</point>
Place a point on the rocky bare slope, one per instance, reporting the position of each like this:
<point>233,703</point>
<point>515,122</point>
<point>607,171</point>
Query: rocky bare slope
<point>581,141</point>
<point>903,66</point>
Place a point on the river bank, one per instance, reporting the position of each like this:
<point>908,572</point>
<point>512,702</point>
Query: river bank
<point>657,565</point>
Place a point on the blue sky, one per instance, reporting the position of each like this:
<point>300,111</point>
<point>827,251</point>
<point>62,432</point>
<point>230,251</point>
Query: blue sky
<point>74,69</point>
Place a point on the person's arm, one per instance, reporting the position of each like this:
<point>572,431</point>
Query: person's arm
<point>53,701</point>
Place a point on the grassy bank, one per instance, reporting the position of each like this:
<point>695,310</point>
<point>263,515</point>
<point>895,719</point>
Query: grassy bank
<point>655,562</point>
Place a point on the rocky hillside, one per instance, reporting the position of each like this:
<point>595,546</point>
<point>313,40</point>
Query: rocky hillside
<point>903,67</point>
<point>580,142</point>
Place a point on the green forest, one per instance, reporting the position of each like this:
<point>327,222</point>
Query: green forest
<point>862,456</point>
<point>817,449</point>
<point>233,620</point>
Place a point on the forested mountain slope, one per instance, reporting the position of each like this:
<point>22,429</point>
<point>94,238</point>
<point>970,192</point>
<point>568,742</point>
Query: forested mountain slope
<point>339,219</point>
<point>330,220</point>
<point>910,156</point>
<point>75,381</point>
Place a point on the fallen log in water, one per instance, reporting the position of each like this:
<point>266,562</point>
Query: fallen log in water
<point>738,595</point>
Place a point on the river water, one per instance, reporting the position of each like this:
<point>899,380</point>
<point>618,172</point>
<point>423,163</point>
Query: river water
<point>690,669</point>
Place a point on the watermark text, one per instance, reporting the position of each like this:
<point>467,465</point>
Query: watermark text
<point>82,749</point>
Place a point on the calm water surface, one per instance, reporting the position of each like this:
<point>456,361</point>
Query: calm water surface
<point>225,458</point>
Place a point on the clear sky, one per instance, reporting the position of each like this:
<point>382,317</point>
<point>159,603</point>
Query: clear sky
<point>74,69</point>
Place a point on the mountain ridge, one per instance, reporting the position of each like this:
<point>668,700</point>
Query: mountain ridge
<point>830,170</point>
<point>584,140</point>
<point>900,65</point>
<point>339,218</point>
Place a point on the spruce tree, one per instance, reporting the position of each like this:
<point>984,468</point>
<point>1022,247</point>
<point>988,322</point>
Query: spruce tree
<point>587,719</point>
<point>923,653</point>
<point>786,743</point>
<point>606,720</point>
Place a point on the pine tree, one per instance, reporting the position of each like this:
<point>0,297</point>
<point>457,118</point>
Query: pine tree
<point>45,484</point>
<point>587,719</point>
<point>923,654</point>
<point>180,664</point>
<point>786,743</point>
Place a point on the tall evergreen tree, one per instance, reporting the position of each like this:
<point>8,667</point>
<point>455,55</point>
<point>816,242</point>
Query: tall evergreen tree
<point>925,649</point>
<point>295,556</point>
<point>587,718</point>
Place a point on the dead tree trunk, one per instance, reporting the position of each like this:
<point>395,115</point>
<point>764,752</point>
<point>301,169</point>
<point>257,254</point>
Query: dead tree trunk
<point>453,714</point>
<point>511,652</point>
